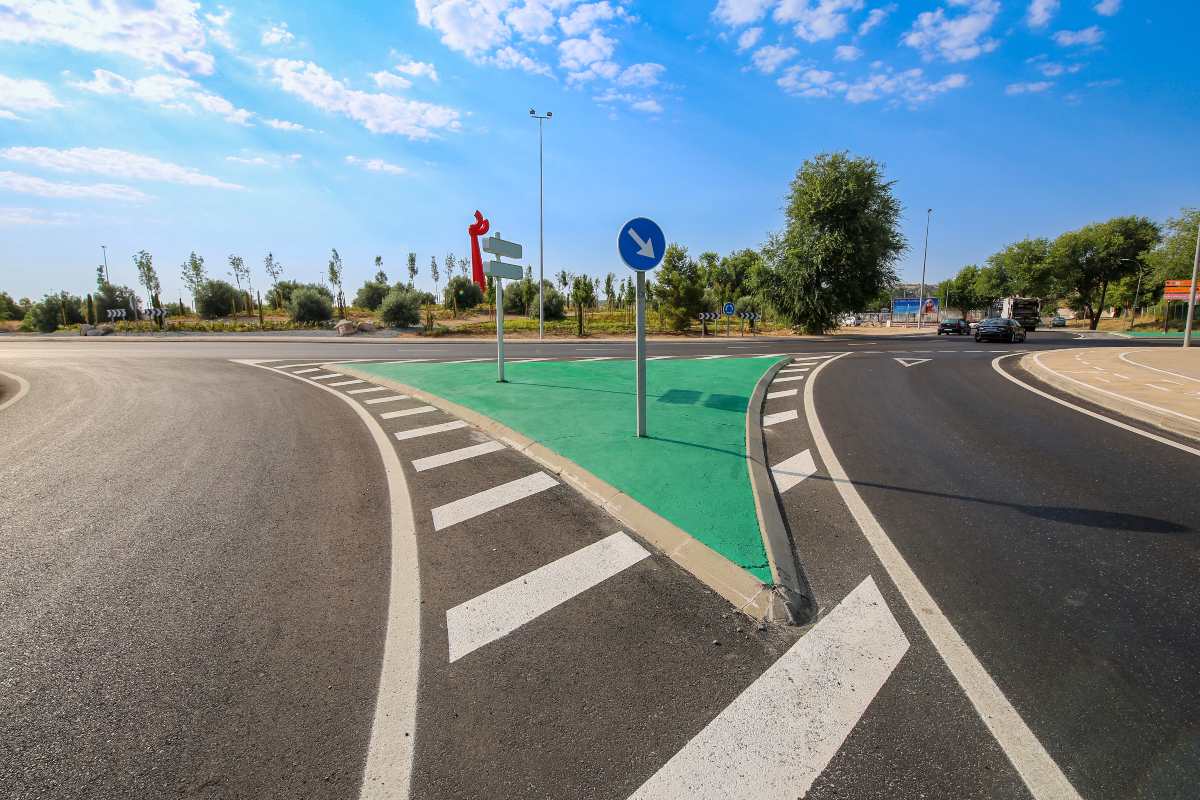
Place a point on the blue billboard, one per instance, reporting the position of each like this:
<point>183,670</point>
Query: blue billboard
<point>909,305</point>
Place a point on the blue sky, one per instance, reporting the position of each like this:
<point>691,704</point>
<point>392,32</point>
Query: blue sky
<point>379,128</point>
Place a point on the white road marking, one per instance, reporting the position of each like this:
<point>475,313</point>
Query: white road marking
<point>388,771</point>
<point>526,360</point>
<point>782,416</point>
<point>347,383</point>
<point>782,393</point>
<point>597,358</point>
<point>791,471</point>
<point>1103,380</point>
<point>789,378</point>
<point>1038,358</point>
<point>320,363</point>
<point>1123,355</point>
<point>408,412</point>
<point>429,429</point>
<point>657,358</point>
<point>801,359</point>
<point>306,371</point>
<point>490,499</point>
<point>22,389</point>
<point>404,361</point>
<point>793,370</point>
<point>769,355</point>
<point>778,735</point>
<point>502,610</point>
<point>369,389</point>
<point>454,456</point>
<point>1156,386</point>
<point>466,360</point>
<point>326,376</point>
<point>911,362</point>
<point>710,358</point>
<point>1161,440</point>
<point>389,399</point>
<point>1037,769</point>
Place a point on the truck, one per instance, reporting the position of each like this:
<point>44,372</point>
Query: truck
<point>1024,310</point>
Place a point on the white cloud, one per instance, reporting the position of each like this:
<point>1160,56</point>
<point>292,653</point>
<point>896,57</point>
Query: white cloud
<point>875,18</point>
<point>1041,12</point>
<point>646,105</point>
<point>847,52</point>
<point>512,58</point>
<point>585,17</point>
<point>376,165</point>
<point>265,161</point>
<point>772,57</point>
<point>1107,8</point>
<point>167,91</point>
<point>1028,88</point>
<point>113,163</point>
<point>740,12</point>
<point>36,216</point>
<point>577,54</point>
<point>390,82</point>
<point>377,112</point>
<point>531,20</point>
<point>277,34</point>
<point>218,28</point>
<point>1052,69</point>
<point>1086,36</point>
<point>284,125</point>
<point>18,95</point>
<point>816,20</point>
<point>28,184</point>
<point>748,38</point>
<point>417,69</point>
<point>954,38</point>
<point>910,87</point>
<point>472,27</point>
<point>164,33</point>
<point>646,74</point>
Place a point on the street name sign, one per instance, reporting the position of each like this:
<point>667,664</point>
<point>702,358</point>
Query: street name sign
<point>500,248</point>
<point>499,269</point>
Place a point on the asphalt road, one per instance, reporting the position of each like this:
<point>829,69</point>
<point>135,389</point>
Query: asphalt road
<point>194,583</point>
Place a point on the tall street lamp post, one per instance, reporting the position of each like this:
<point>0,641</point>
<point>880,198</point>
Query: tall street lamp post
<point>104,249</point>
<point>541,239</point>
<point>924,260</point>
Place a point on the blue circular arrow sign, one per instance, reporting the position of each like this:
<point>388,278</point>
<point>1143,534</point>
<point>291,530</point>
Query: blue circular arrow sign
<point>729,309</point>
<point>641,244</point>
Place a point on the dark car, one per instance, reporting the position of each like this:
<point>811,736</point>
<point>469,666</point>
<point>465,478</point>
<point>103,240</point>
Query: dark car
<point>997,329</point>
<point>949,326</point>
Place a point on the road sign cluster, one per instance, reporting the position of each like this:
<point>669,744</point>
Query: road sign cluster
<point>149,313</point>
<point>155,313</point>
<point>750,315</point>
<point>116,313</point>
<point>708,315</point>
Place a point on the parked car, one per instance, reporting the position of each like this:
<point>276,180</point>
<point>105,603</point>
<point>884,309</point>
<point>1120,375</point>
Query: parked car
<point>998,329</point>
<point>949,326</point>
<point>1058,322</point>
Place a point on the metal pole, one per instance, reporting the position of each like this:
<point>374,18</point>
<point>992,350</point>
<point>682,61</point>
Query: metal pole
<point>1136,292</point>
<point>499,328</point>
<point>1191,309</point>
<point>541,242</point>
<point>104,249</point>
<point>924,260</point>
<point>641,354</point>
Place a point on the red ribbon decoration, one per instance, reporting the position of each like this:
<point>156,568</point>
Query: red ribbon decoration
<point>478,229</point>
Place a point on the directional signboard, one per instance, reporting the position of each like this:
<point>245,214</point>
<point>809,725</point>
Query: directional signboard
<point>498,269</point>
<point>500,248</point>
<point>641,244</point>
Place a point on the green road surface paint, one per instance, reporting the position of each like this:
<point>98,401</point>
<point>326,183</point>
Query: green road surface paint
<point>691,469</point>
<point>1147,335</point>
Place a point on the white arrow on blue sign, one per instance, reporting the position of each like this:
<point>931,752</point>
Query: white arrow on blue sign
<point>641,244</point>
<point>729,309</point>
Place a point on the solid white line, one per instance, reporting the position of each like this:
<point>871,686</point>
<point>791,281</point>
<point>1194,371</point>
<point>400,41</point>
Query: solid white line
<point>22,389</point>
<point>1038,358</point>
<point>347,383</point>
<point>403,361</point>
<point>407,412</point>
<point>710,358</point>
<point>388,399</point>
<point>782,393</point>
<point>1093,414</point>
<point>502,610</point>
<point>429,429</point>
<point>791,471</point>
<point>454,456</point>
<point>490,499</point>
<point>525,360</point>
<point>778,735</point>
<point>1037,769</point>
<point>1156,386</point>
<point>657,358</point>
<point>597,358</point>
<point>793,370</point>
<point>774,419</point>
<point>371,389</point>
<point>320,363</point>
<point>306,371</point>
<point>326,376</point>
<point>1123,355</point>
<point>388,771</point>
<point>466,360</point>
<point>789,378</point>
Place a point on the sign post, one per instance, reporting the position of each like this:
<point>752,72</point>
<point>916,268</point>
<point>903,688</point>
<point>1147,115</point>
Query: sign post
<point>641,244</point>
<point>1191,309</point>
<point>498,270</point>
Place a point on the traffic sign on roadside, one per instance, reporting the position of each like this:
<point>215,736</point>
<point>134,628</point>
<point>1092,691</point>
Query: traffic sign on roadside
<point>728,309</point>
<point>641,244</point>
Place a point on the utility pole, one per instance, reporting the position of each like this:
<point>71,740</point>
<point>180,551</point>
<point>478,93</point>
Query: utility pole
<point>104,249</point>
<point>924,260</point>
<point>541,237</point>
<point>1191,309</point>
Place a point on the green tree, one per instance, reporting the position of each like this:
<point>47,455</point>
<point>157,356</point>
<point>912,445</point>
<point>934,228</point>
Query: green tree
<point>1172,259</point>
<point>371,294</point>
<point>193,273</point>
<point>380,275</point>
<point>147,275</point>
<point>462,293</point>
<point>737,273</point>
<point>401,308</point>
<point>433,273</point>
<point>412,269</point>
<point>309,304</point>
<point>275,270</point>
<point>1028,267</point>
<point>215,299</point>
<point>1090,259</point>
<point>335,280</point>
<point>610,292</point>
<point>583,295</point>
<point>678,289</point>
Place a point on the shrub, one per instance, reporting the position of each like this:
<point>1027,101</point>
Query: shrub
<point>109,296</point>
<point>308,305</point>
<point>9,308</point>
<point>461,293</point>
<point>401,308</point>
<point>53,311</point>
<point>371,295</point>
<point>215,299</point>
<point>280,295</point>
<point>555,306</point>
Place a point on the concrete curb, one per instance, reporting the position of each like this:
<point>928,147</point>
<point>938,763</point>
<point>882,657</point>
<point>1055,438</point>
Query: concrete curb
<point>1164,422</point>
<point>746,592</point>
<point>791,584</point>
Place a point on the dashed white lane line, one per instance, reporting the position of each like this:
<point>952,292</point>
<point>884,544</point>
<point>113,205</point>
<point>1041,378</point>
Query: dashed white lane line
<point>782,393</point>
<point>791,471</point>
<point>788,378</point>
<point>527,360</point>
<point>657,358</point>
<point>793,370</point>
<point>408,412</point>
<point>490,499</point>
<point>325,377</point>
<point>454,456</point>
<point>429,430</point>
<point>306,371</point>
<point>779,734</point>
<point>782,416</point>
<point>390,399</point>
<point>370,389</point>
<point>502,610</point>
<point>1124,357</point>
<point>1038,358</point>
<point>348,383</point>
<point>1156,386</point>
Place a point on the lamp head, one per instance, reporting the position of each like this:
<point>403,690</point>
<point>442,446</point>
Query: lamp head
<point>532,112</point>
<point>549,113</point>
